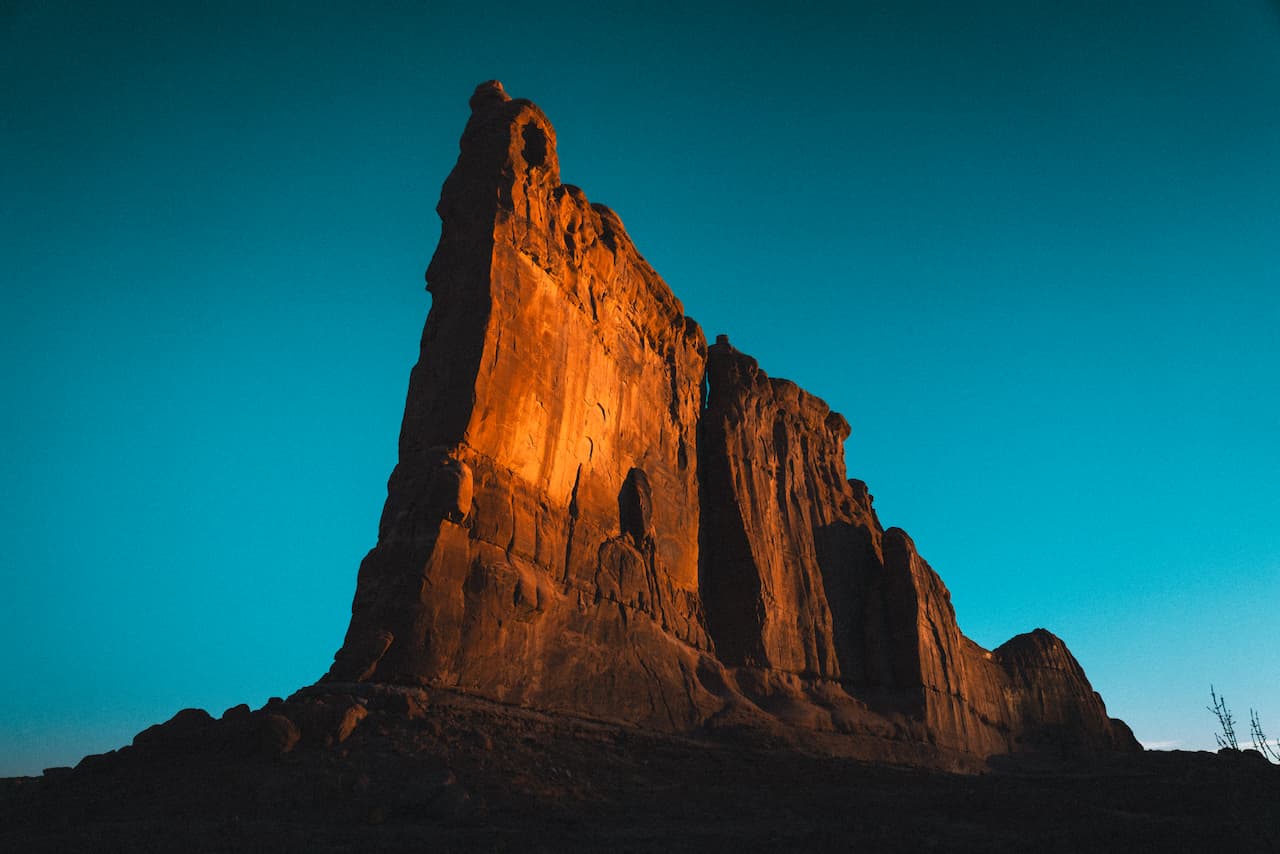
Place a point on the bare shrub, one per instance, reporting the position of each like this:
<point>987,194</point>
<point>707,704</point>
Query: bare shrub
<point>1271,750</point>
<point>1226,737</point>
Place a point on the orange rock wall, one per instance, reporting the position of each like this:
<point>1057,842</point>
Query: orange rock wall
<point>561,381</point>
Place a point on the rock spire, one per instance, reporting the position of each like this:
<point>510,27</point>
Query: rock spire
<point>576,525</point>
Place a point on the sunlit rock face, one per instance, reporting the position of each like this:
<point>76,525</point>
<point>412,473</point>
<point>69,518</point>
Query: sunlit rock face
<point>560,383</point>
<point>594,512</point>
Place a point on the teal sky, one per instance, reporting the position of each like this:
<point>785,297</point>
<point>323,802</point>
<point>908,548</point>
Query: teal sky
<point>1029,249</point>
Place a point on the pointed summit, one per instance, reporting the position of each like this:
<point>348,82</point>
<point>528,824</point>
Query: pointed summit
<point>487,93</point>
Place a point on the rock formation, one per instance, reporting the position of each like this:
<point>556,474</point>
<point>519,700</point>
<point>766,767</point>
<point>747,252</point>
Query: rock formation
<point>595,512</point>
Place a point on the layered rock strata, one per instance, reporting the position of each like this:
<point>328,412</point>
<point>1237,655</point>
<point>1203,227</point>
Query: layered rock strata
<point>595,512</point>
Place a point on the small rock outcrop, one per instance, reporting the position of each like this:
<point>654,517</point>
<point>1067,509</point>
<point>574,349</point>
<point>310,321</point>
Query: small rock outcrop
<point>595,512</point>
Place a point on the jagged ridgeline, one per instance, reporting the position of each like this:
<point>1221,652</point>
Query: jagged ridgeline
<point>576,525</point>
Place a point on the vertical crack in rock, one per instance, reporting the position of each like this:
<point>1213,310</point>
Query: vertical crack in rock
<point>573,520</point>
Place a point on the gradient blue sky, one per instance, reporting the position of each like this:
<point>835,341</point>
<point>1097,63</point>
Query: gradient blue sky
<point>1029,249</point>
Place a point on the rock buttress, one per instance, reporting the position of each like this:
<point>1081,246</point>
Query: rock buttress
<point>540,537</point>
<point>798,576</point>
<point>781,528</point>
<point>1053,706</point>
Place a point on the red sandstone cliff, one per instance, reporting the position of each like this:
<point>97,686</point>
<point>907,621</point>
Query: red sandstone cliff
<point>572,526</point>
<point>540,538</point>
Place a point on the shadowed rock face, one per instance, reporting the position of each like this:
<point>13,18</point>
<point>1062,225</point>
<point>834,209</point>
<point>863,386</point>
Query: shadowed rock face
<point>572,526</point>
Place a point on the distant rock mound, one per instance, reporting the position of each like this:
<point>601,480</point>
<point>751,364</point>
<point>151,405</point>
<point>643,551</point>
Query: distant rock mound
<point>595,512</point>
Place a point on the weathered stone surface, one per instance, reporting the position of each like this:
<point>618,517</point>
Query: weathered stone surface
<point>1053,704</point>
<point>572,526</point>
<point>784,534</point>
<point>540,538</point>
<point>798,576</point>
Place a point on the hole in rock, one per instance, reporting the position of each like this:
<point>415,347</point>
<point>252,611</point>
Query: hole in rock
<point>535,146</point>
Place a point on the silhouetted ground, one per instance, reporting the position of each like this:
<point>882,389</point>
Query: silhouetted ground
<point>457,774</point>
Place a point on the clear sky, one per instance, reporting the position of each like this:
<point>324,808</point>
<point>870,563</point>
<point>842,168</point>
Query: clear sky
<point>1029,249</point>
